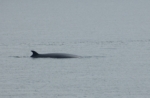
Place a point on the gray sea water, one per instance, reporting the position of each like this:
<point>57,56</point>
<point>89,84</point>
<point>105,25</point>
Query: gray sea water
<point>113,37</point>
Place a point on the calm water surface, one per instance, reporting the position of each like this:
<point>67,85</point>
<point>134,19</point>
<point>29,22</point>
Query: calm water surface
<point>112,36</point>
<point>108,69</point>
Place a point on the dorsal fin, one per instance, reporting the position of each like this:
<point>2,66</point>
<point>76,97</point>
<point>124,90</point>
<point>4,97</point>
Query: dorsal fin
<point>34,53</point>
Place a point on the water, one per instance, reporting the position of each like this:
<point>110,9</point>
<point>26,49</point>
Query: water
<point>115,49</point>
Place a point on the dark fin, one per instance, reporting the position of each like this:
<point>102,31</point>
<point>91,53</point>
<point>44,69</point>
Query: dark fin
<point>34,53</point>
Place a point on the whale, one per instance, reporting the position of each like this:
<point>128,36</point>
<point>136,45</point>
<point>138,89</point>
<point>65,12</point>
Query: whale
<point>52,55</point>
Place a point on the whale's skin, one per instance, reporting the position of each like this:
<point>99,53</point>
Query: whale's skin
<point>52,55</point>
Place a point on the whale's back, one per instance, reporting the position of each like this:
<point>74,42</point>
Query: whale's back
<point>53,55</point>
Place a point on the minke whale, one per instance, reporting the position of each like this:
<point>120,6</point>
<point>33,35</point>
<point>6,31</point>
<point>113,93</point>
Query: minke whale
<point>52,55</point>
